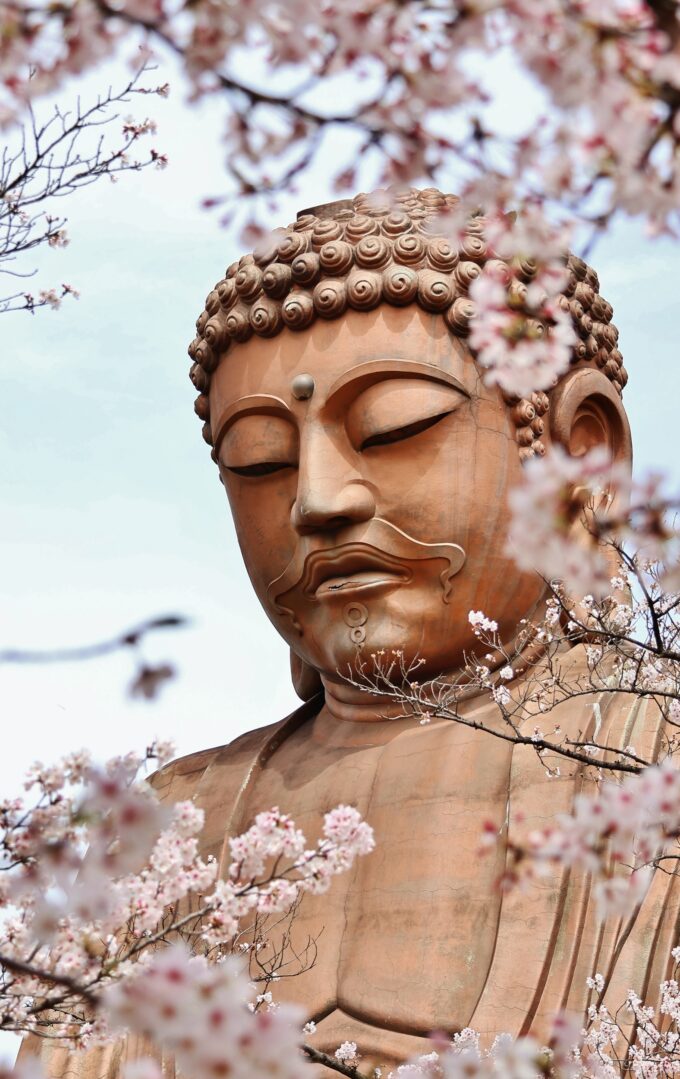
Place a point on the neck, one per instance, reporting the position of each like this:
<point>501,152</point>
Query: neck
<point>357,704</point>
<point>348,702</point>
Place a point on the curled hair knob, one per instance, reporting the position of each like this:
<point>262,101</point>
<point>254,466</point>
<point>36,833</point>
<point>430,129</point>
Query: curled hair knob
<point>364,289</point>
<point>400,285</point>
<point>297,310</point>
<point>330,297</point>
<point>435,290</point>
<point>336,257</point>
<point>276,279</point>
<point>305,268</point>
<point>265,317</point>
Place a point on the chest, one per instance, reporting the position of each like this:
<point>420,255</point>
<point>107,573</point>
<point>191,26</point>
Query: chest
<point>407,937</point>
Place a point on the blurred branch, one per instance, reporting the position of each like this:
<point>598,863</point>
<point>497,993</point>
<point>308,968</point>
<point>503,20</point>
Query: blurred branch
<point>129,639</point>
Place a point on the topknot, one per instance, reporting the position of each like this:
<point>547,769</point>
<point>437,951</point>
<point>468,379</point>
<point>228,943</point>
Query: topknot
<point>386,247</point>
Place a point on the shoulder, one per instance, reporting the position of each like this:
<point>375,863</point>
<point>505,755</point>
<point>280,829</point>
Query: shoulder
<point>217,779</point>
<point>180,778</point>
<point>185,776</point>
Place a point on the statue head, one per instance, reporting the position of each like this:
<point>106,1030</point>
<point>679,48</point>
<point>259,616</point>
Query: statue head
<point>366,460</point>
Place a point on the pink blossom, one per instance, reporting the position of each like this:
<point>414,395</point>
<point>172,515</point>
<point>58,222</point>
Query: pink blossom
<point>50,297</point>
<point>272,835</point>
<point>58,238</point>
<point>522,349</point>
<point>463,1058</point>
<point>199,1012</point>
<point>626,822</point>
<point>548,532</point>
<point>501,695</point>
<point>98,859</point>
<point>347,1053</point>
<point>604,68</point>
<point>344,827</point>
<point>481,624</point>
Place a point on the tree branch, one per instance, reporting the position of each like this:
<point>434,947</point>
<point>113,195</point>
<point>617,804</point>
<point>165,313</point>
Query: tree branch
<point>335,1065</point>
<point>93,651</point>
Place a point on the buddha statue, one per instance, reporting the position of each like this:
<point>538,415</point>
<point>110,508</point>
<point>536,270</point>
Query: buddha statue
<point>367,465</point>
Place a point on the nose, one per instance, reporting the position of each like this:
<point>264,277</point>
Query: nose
<point>330,495</point>
<point>328,511</point>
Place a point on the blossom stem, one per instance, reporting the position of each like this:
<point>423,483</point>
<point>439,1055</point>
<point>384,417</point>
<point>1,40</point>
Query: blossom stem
<point>317,1057</point>
<point>17,967</point>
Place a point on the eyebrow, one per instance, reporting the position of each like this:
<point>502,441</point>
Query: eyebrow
<point>363,374</point>
<point>260,404</point>
<point>378,370</point>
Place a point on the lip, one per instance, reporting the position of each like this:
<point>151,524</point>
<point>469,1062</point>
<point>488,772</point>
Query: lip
<point>351,569</point>
<point>363,581</point>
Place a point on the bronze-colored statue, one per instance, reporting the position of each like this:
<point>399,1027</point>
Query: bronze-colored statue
<point>367,467</point>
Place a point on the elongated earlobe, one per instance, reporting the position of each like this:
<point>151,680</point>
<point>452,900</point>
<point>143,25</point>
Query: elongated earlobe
<point>306,681</point>
<point>586,411</point>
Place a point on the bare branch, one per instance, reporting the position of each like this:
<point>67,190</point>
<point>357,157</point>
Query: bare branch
<point>129,639</point>
<point>54,158</point>
<point>335,1065</point>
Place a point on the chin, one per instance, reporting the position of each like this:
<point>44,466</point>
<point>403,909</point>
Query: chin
<point>408,628</point>
<point>340,657</point>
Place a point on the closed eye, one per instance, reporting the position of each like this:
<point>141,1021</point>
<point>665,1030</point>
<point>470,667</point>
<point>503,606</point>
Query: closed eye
<point>264,468</point>
<point>398,434</point>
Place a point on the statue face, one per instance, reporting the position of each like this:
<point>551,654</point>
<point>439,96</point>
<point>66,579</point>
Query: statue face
<point>371,513</point>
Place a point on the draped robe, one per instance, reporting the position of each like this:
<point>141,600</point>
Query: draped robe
<point>417,937</point>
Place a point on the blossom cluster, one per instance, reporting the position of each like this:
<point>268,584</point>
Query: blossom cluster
<point>521,334</point>
<point>96,874</point>
<point>568,508</point>
<point>55,154</point>
<point>617,835</point>
<point>464,1057</point>
<point>609,70</point>
<point>549,529</point>
<point>274,839</point>
<point>598,1048</point>
<point>92,858</point>
<point>605,141</point>
<point>203,1013</point>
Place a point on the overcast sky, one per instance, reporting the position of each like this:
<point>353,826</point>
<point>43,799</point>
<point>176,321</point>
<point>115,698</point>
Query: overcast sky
<point>111,507</point>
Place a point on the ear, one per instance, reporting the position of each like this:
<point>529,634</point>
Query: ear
<point>306,680</point>
<point>586,411</point>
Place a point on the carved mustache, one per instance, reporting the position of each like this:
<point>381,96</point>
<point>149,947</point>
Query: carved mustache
<point>375,545</point>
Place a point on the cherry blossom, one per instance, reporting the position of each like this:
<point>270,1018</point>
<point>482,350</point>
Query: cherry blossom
<point>523,350</point>
<point>630,821</point>
<point>274,835</point>
<point>600,1048</point>
<point>480,623</point>
<point>93,866</point>
<point>548,514</point>
<point>199,1011</point>
<point>93,874</point>
<point>606,143</point>
<point>567,506</point>
<point>463,1056</point>
<point>347,1052</point>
